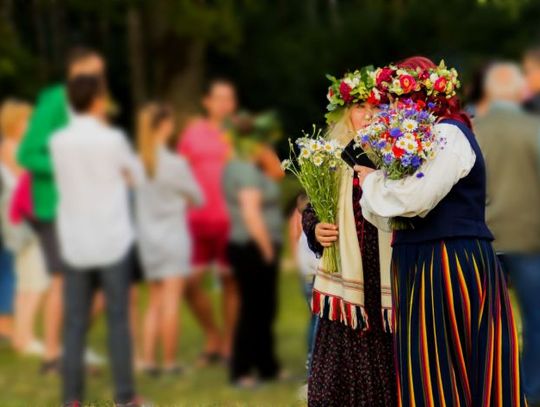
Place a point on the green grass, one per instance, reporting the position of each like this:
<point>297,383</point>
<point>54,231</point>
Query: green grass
<point>21,385</point>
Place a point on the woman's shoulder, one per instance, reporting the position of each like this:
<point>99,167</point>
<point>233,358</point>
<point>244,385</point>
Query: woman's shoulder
<point>455,138</point>
<point>240,167</point>
<point>172,161</point>
<point>241,170</point>
<point>452,131</point>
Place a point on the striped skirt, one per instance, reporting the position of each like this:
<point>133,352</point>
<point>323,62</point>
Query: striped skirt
<point>455,338</point>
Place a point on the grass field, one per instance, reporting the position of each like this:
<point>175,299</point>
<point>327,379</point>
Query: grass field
<point>21,385</point>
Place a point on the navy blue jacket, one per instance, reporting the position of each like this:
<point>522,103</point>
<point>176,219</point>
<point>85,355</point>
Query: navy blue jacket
<point>461,213</point>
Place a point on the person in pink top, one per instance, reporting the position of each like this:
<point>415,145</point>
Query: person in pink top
<point>203,143</point>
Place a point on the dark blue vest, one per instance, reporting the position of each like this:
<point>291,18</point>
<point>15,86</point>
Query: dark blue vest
<point>461,213</point>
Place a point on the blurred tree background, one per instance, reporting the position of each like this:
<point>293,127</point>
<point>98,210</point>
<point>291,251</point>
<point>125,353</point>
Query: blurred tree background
<point>277,51</point>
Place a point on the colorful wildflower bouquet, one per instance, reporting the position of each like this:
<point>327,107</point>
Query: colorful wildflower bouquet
<point>399,140</point>
<point>317,166</point>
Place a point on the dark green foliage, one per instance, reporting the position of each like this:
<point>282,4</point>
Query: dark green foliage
<point>278,51</point>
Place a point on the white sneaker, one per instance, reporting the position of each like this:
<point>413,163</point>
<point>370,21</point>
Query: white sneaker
<point>93,358</point>
<point>34,348</point>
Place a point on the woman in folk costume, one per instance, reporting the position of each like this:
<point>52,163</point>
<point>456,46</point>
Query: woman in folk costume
<point>455,338</point>
<point>353,360</point>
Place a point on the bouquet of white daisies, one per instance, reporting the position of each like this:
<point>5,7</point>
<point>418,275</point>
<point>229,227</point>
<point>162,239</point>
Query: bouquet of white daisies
<point>317,166</point>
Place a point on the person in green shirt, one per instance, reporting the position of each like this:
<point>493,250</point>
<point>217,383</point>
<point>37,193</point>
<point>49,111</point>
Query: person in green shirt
<point>52,112</point>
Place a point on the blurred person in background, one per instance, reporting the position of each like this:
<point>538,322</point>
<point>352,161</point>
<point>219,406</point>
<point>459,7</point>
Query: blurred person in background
<point>7,274</point>
<point>531,66</point>
<point>32,278</point>
<point>252,195</point>
<point>204,145</point>
<point>510,141</point>
<point>94,166</point>
<point>307,263</point>
<point>52,112</point>
<point>353,358</point>
<point>478,103</point>
<point>164,241</point>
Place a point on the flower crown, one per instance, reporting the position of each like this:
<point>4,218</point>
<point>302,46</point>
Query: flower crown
<point>435,82</point>
<point>354,87</point>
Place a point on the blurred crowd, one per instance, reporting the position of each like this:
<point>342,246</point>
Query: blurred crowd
<point>87,219</point>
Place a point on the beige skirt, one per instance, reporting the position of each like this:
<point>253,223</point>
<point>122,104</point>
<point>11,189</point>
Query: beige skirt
<point>31,269</point>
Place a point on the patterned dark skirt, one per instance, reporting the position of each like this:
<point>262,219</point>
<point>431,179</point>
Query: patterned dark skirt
<point>351,368</point>
<point>456,342</point>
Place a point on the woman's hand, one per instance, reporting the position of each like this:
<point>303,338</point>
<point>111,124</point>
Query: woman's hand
<point>326,234</point>
<point>362,172</point>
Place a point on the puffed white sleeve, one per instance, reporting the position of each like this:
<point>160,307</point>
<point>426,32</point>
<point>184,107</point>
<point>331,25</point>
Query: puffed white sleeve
<point>412,196</point>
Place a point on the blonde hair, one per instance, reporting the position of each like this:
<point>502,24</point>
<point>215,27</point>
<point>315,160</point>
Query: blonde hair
<point>12,114</point>
<point>148,120</point>
<point>342,131</point>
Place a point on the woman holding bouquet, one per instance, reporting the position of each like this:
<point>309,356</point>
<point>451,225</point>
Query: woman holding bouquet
<point>455,338</point>
<point>352,361</point>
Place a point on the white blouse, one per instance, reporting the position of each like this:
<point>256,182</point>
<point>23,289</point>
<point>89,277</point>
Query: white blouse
<point>409,197</point>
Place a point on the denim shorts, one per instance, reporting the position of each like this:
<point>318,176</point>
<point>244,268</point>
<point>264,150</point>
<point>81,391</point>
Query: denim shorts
<point>7,282</point>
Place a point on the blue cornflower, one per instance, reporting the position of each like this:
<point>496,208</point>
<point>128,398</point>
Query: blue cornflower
<point>396,132</point>
<point>387,158</point>
<point>420,175</point>
<point>431,105</point>
<point>416,161</point>
<point>406,160</point>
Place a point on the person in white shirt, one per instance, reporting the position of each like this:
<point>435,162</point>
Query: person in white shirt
<point>93,165</point>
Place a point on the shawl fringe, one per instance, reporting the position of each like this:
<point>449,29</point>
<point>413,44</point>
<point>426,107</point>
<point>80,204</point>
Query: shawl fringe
<point>354,316</point>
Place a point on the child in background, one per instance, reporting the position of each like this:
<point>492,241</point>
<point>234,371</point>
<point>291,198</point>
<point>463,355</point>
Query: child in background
<point>307,264</point>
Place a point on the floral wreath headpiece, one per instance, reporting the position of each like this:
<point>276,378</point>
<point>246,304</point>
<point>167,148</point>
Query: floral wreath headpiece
<point>392,81</point>
<point>354,87</point>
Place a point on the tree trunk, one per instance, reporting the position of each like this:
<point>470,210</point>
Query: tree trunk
<point>136,56</point>
<point>334,13</point>
<point>311,6</point>
<point>58,28</point>
<point>41,44</point>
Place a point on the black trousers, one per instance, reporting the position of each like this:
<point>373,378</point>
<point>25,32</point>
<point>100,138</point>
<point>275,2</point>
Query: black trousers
<point>254,348</point>
<point>79,287</point>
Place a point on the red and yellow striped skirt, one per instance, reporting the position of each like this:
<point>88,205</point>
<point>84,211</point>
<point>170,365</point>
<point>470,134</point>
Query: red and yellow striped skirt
<point>455,338</point>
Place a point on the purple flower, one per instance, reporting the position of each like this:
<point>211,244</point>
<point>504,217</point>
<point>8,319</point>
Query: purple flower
<point>387,158</point>
<point>423,115</point>
<point>396,132</point>
<point>365,138</point>
<point>381,143</point>
<point>409,113</point>
<point>420,175</point>
<point>406,160</point>
<point>431,105</point>
<point>416,161</point>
